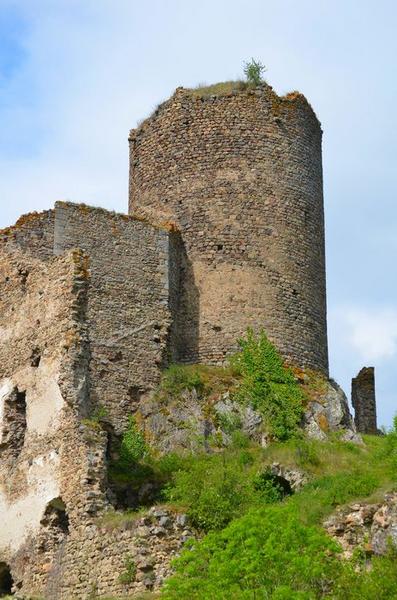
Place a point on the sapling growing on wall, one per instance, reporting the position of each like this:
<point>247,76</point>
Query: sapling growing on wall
<point>253,71</point>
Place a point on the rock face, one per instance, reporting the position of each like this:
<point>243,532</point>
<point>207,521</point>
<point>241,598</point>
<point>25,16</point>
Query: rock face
<point>372,527</point>
<point>364,402</point>
<point>190,421</point>
<point>296,479</point>
<point>329,412</point>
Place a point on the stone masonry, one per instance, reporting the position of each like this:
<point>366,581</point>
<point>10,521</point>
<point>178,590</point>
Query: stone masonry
<point>364,402</point>
<point>85,325</point>
<point>241,175</point>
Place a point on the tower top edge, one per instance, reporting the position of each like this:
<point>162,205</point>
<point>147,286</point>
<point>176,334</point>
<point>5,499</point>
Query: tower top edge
<point>225,91</point>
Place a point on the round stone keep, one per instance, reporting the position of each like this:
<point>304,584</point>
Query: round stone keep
<point>240,173</point>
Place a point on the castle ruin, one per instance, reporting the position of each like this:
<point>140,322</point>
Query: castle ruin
<point>225,232</point>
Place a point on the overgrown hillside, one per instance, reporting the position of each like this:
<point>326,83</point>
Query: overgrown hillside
<point>258,512</point>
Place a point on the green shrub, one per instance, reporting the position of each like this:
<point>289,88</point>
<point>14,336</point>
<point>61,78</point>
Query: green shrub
<point>129,573</point>
<point>253,71</point>
<point>212,490</point>
<point>268,553</point>
<point>359,583</point>
<point>228,422</point>
<point>133,446</point>
<point>268,386</point>
<point>269,487</point>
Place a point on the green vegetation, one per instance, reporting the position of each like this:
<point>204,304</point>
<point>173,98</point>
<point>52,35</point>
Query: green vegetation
<point>278,549</point>
<point>223,88</point>
<point>133,446</point>
<point>253,71</point>
<point>268,386</point>
<point>129,573</point>
<point>97,418</point>
<point>257,539</point>
<point>206,380</point>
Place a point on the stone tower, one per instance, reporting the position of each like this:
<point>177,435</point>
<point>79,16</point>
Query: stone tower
<point>240,173</point>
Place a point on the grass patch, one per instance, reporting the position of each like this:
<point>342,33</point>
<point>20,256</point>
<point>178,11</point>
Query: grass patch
<point>120,520</point>
<point>206,380</point>
<point>222,88</point>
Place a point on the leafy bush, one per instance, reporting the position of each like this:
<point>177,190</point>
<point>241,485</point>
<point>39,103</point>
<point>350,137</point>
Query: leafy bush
<point>268,385</point>
<point>268,553</point>
<point>358,583</point>
<point>280,551</point>
<point>270,487</point>
<point>133,446</point>
<point>129,573</point>
<point>253,71</point>
<point>212,489</point>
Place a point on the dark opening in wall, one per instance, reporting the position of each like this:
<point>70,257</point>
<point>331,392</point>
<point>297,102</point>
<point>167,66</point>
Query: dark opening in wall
<point>14,424</point>
<point>6,581</point>
<point>55,518</point>
<point>35,357</point>
<point>274,486</point>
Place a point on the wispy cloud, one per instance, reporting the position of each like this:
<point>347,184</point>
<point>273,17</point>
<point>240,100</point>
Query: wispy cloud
<point>371,333</point>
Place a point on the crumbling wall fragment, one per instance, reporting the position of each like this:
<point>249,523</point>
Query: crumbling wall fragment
<point>364,401</point>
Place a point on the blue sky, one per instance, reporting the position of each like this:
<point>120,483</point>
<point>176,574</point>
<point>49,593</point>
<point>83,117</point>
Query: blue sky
<point>76,75</point>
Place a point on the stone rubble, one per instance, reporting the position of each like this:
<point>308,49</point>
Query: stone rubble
<point>371,527</point>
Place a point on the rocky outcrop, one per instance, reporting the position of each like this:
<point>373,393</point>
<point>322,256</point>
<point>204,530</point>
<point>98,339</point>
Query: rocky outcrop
<point>371,527</point>
<point>192,421</point>
<point>328,411</point>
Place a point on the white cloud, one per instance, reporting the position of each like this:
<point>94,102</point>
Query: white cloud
<point>370,332</point>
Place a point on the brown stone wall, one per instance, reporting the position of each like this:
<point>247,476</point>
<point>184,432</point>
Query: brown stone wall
<point>51,456</point>
<point>92,561</point>
<point>132,283</point>
<point>364,402</point>
<point>32,233</point>
<point>241,175</point>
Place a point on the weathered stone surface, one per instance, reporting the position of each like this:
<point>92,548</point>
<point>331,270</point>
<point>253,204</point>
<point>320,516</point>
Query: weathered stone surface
<point>191,421</point>
<point>295,478</point>
<point>364,402</point>
<point>241,175</point>
<point>79,331</point>
<point>330,412</point>
<point>372,527</point>
<point>130,295</point>
<point>96,558</point>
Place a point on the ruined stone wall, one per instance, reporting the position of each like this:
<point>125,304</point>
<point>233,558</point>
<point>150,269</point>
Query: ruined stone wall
<point>32,233</point>
<point>131,290</point>
<point>95,561</point>
<point>52,474</point>
<point>241,175</point>
<point>364,401</point>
